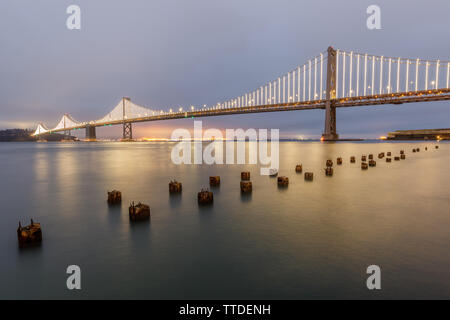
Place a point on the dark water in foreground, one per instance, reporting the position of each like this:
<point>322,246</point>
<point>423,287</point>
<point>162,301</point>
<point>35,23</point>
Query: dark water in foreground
<point>311,240</point>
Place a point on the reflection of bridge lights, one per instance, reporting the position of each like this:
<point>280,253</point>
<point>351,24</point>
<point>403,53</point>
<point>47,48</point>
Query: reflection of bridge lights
<point>170,110</point>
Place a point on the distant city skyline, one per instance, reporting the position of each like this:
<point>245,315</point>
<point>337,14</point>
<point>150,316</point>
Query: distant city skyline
<point>180,53</point>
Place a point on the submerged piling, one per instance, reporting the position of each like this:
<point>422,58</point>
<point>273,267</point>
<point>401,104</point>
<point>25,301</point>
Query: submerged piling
<point>329,163</point>
<point>214,181</point>
<point>309,176</point>
<point>114,197</point>
<point>139,212</point>
<point>205,197</point>
<point>246,186</point>
<point>245,175</point>
<point>298,168</point>
<point>175,186</point>
<point>29,235</point>
<point>283,181</point>
<point>328,171</point>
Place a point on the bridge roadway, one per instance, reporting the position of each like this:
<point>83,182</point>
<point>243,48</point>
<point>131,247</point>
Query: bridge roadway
<point>379,99</point>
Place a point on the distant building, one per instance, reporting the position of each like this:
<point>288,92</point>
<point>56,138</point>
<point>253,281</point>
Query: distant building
<point>24,135</point>
<point>16,135</point>
<point>423,134</point>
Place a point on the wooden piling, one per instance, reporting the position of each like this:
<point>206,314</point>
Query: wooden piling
<point>283,181</point>
<point>114,197</point>
<point>175,186</point>
<point>29,235</point>
<point>205,197</point>
<point>139,212</point>
<point>245,175</point>
<point>246,186</point>
<point>214,181</point>
<point>309,176</point>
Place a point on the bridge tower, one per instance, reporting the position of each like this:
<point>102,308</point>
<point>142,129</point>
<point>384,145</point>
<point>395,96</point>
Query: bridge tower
<point>66,132</point>
<point>127,126</point>
<point>329,133</point>
<point>90,133</point>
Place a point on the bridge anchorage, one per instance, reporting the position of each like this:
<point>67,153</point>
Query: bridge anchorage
<point>348,79</point>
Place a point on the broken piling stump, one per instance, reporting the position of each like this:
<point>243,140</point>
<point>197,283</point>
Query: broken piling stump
<point>381,155</point>
<point>283,181</point>
<point>328,171</point>
<point>309,176</point>
<point>388,160</point>
<point>418,149</point>
<point>402,151</point>
<point>352,159</point>
<point>413,150</point>
<point>372,163</point>
<point>363,158</point>
<point>139,212</point>
<point>245,175</point>
<point>214,181</point>
<point>246,186</point>
<point>364,166</point>
<point>370,156</point>
<point>175,186</point>
<point>298,168</point>
<point>329,163</point>
<point>397,158</point>
<point>29,235</point>
<point>339,161</point>
<point>403,156</point>
<point>205,197</point>
<point>114,197</point>
<point>436,147</point>
<point>426,148</point>
<point>388,154</point>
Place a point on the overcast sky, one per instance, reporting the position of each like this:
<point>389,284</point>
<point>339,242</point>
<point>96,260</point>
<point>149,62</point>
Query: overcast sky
<point>164,53</point>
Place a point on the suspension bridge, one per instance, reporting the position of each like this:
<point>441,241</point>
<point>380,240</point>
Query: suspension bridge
<point>333,79</point>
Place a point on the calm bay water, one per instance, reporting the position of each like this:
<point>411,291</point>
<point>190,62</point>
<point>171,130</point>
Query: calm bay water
<point>311,240</point>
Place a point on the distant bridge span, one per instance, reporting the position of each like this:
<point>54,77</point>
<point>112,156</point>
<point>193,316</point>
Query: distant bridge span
<point>349,80</point>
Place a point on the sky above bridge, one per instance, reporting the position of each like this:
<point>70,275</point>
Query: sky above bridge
<point>170,53</point>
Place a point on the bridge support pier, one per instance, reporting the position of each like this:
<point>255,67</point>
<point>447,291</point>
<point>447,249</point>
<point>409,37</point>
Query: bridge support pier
<point>90,133</point>
<point>329,133</point>
<point>127,131</point>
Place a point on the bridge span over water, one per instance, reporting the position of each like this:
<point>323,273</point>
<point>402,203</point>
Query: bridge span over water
<point>333,79</point>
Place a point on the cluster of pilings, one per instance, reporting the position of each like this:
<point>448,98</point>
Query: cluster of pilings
<point>32,234</point>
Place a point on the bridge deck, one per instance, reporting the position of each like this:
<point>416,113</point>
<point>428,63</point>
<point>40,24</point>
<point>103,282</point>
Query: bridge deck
<point>392,98</point>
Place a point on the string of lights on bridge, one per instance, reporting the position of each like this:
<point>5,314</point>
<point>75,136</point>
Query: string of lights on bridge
<point>357,75</point>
